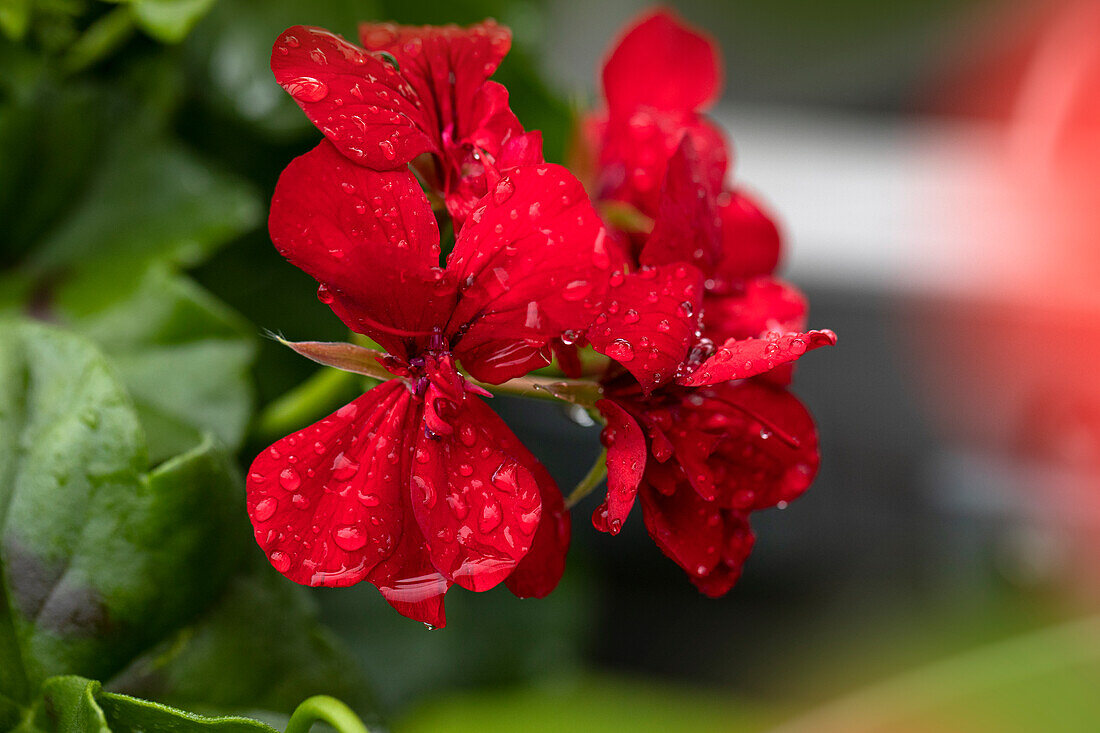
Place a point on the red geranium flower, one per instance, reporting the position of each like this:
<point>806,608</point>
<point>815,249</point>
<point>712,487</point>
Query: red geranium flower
<point>705,434</point>
<point>686,425</point>
<point>417,484</point>
<point>657,80</point>
<point>434,99</point>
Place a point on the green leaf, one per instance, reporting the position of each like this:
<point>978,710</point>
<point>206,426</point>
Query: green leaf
<point>184,357</point>
<point>261,646</point>
<point>15,15</point>
<point>169,21</point>
<point>69,704</point>
<point>99,559</point>
<point>47,159</point>
<point>76,705</point>
<point>152,201</point>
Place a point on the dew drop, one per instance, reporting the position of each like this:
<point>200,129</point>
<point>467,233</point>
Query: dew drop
<point>490,516</point>
<point>289,479</point>
<point>350,537</point>
<point>620,350</point>
<point>504,190</point>
<point>280,561</point>
<point>576,290</point>
<point>265,509</point>
<point>505,479</point>
<point>343,468</point>
<point>306,88</point>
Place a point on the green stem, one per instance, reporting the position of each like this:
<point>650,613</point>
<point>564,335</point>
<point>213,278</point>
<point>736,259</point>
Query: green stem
<point>583,392</point>
<point>328,710</point>
<point>365,361</point>
<point>101,38</point>
<point>588,484</point>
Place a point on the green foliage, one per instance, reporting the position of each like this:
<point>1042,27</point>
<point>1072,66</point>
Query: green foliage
<point>588,703</point>
<point>151,201</point>
<point>112,569</point>
<point>260,647</point>
<point>185,358</point>
<point>101,557</point>
<point>76,705</point>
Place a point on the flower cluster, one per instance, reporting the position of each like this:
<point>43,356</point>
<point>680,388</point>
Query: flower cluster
<point>418,484</point>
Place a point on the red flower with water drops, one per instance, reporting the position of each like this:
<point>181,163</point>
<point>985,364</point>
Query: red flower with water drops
<point>704,434</point>
<point>657,81</point>
<point>433,98</point>
<point>418,484</point>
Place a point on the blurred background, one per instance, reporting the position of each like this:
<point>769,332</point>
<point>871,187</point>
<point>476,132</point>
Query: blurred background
<point>936,168</point>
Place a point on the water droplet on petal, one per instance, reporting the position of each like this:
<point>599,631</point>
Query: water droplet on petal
<point>576,290</point>
<point>350,537</point>
<point>306,88</point>
<point>620,350</point>
<point>265,509</point>
<point>280,561</point>
<point>490,516</point>
<point>289,479</point>
<point>504,190</point>
<point>343,468</point>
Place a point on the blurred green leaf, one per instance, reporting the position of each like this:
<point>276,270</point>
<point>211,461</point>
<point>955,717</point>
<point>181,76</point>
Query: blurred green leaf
<point>15,15</point>
<point>99,558</point>
<point>230,53</point>
<point>260,647</point>
<point>152,201</point>
<point>169,21</point>
<point>49,142</point>
<point>77,705</point>
<point>185,358</point>
<point>106,34</point>
<point>491,638</point>
<point>587,704</point>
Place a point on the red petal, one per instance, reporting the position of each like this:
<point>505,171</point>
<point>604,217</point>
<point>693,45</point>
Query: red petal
<point>687,228</point>
<point>369,238</point>
<point>409,581</point>
<point>751,240</point>
<point>446,65</point>
<point>326,503</point>
<point>626,461</point>
<point>355,98</point>
<point>686,528</point>
<point>769,453</point>
<point>738,544</point>
<point>762,305</point>
<point>649,321</point>
<point>663,63</point>
<point>532,263</point>
<point>469,176</point>
<point>541,568</point>
<point>636,150</point>
<point>476,503</point>
<point>741,359</point>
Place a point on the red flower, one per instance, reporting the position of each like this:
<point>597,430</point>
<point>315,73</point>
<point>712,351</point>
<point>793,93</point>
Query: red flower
<point>705,434</point>
<point>702,459</point>
<point>436,100</point>
<point>418,484</point>
<point>657,80</point>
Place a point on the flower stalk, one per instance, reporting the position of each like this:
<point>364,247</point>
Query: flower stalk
<point>325,709</point>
